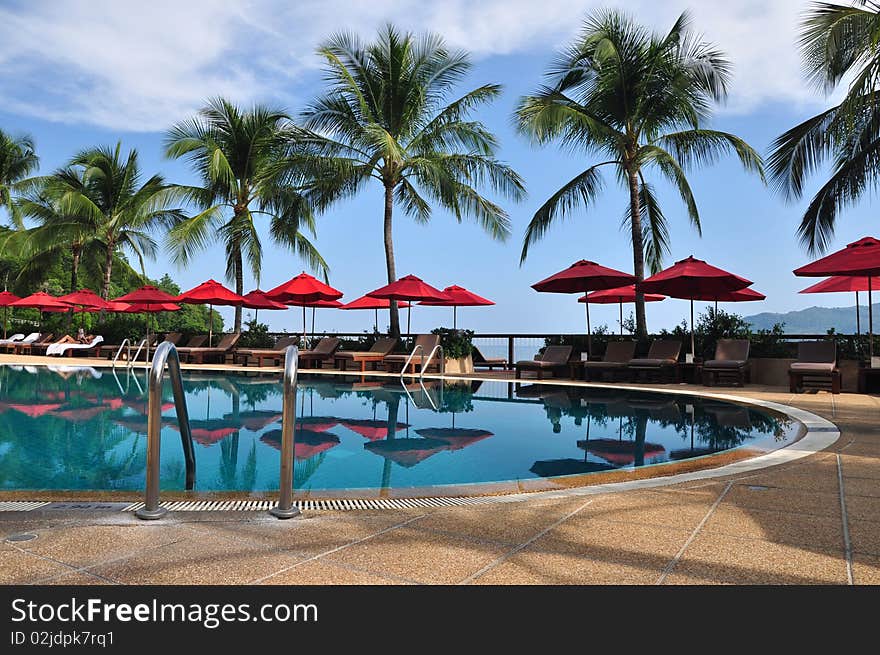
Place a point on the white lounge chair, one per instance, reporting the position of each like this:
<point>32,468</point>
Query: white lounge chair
<point>62,348</point>
<point>15,338</point>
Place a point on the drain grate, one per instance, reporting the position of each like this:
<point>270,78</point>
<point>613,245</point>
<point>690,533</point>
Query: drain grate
<point>21,505</point>
<point>317,505</point>
<point>25,536</point>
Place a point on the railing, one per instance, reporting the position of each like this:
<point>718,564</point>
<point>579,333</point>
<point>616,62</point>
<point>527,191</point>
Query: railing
<point>422,361</point>
<point>125,343</point>
<point>166,353</point>
<point>132,360</point>
<point>285,508</point>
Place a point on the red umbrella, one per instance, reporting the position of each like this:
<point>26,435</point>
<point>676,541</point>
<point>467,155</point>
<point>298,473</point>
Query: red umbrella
<point>859,259</point>
<point>365,302</point>
<point>210,293</point>
<point>6,299</point>
<point>257,300</point>
<point>619,295</point>
<point>840,284</point>
<point>458,297</point>
<point>694,279</point>
<point>584,276</point>
<point>409,287</point>
<point>85,298</point>
<point>42,301</point>
<point>140,308</point>
<point>148,299</point>
<point>302,290</point>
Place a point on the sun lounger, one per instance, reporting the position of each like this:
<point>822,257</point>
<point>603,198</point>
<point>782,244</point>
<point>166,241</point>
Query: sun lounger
<point>18,336</point>
<point>422,348</point>
<point>322,352</point>
<point>18,340</point>
<point>554,360</point>
<point>481,361</point>
<point>662,357</point>
<point>70,348</point>
<point>815,368</point>
<point>39,344</point>
<point>731,363</point>
<point>374,355</point>
<point>246,356</point>
<point>617,357</point>
<point>202,355</point>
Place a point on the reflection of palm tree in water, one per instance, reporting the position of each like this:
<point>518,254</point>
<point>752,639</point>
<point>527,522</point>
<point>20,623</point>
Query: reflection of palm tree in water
<point>393,404</point>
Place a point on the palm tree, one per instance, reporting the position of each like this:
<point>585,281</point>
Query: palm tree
<point>384,118</point>
<point>17,161</point>
<point>101,190</point>
<point>636,101</point>
<point>837,43</point>
<point>235,153</point>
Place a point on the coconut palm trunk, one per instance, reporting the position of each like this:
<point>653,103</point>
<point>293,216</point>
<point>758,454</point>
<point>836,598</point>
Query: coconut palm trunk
<point>108,270</point>
<point>638,251</point>
<point>239,285</point>
<point>394,328</point>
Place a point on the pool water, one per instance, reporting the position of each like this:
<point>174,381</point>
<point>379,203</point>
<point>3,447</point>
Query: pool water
<point>85,428</point>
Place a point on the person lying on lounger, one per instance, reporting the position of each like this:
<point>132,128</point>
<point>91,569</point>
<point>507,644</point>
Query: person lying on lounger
<point>81,337</point>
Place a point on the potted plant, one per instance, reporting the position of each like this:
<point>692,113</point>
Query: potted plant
<point>457,349</point>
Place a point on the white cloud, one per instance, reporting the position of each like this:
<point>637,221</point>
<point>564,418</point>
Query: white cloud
<point>141,66</point>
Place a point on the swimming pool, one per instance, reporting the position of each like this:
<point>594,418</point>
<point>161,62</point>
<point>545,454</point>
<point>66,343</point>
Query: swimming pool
<point>85,429</point>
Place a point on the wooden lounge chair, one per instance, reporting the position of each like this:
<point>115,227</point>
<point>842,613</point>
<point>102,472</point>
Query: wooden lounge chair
<point>247,356</point>
<point>374,355</point>
<point>662,357</point>
<point>27,347</point>
<point>481,361</point>
<point>17,340</point>
<point>815,368</point>
<point>18,336</point>
<point>730,364</point>
<point>617,357</point>
<point>173,337</point>
<point>69,349</point>
<point>554,360</point>
<point>202,355</point>
<point>322,352</point>
<point>423,348</point>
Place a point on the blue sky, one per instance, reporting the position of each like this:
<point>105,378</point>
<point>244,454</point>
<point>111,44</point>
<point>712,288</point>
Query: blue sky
<point>100,71</point>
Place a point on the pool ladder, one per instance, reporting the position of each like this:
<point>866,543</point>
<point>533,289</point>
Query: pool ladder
<point>425,362</point>
<point>166,353</point>
<point>126,343</point>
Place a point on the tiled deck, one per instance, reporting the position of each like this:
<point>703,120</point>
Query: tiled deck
<point>792,524</point>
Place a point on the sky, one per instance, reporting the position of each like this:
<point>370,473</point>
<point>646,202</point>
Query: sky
<point>102,71</point>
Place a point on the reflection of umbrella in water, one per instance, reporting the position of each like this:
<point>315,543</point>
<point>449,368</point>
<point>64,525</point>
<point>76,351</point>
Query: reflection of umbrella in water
<point>552,467</point>
<point>77,414</point>
<point>37,410</point>
<point>371,429</point>
<point>316,423</point>
<point>210,431</point>
<point>457,438</point>
<point>138,424</point>
<point>408,451</point>
<point>256,419</point>
<point>306,443</point>
<point>659,409</point>
<point>621,453</point>
<point>733,416</point>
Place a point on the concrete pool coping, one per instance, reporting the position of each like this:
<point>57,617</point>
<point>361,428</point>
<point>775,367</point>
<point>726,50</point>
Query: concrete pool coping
<point>819,434</point>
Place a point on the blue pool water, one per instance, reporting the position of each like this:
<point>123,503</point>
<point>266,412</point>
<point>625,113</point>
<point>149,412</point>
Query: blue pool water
<point>72,429</point>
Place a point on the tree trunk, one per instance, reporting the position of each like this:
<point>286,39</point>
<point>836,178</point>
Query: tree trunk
<point>638,251</point>
<point>239,284</point>
<point>76,252</point>
<point>394,329</point>
<point>108,269</point>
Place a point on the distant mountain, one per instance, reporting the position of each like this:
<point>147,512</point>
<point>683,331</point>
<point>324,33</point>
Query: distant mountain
<point>817,320</point>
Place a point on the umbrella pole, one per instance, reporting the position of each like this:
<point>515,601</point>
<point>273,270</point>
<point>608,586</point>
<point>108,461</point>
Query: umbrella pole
<point>589,331</point>
<point>621,317</point>
<point>376,326</point>
<point>858,320</point>
<point>408,319</point>
<point>5,321</point>
<point>313,320</point>
<point>870,323</point>
<point>210,324</point>
<point>693,349</point>
<point>304,326</point>
<point>454,317</point>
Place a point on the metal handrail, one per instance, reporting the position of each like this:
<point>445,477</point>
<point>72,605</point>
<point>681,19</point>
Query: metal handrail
<point>441,367</point>
<point>285,508</point>
<point>125,342</point>
<point>425,391</point>
<point>406,364</point>
<point>132,360</point>
<point>165,353</point>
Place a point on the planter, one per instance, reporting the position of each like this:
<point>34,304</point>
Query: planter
<point>462,365</point>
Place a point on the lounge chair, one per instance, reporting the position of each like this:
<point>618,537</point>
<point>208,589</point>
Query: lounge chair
<point>40,343</point>
<point>481,361</point>
<point>18,336</point>
<point>555,360</point>
<point>423,347</point>
<point>374,355</point>
<point>815,368</point>
<point>662,357</point>
<point>617,357</point>
<point>201,355</point>
<point>246,356</point>
<point>68,349</point>
<point>173,337</point>
<point>17,340</point>
<point>731,363</point>
<point>322,352</point>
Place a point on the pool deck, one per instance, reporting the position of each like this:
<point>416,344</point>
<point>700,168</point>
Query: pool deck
<point>812,521</point>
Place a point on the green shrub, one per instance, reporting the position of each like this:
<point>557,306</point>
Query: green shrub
<point>256,335</point>
<point>457,344</point>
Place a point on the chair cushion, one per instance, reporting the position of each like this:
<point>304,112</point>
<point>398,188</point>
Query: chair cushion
<point>604,364</point>
<point>724,363</point>
<point>817,367</point>
<point>533,363</point>
<point>653,363</point>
